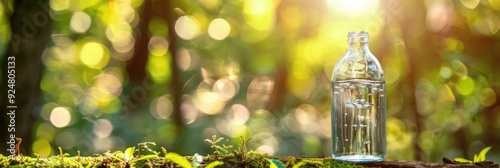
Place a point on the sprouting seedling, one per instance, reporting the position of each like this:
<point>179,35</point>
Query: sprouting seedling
<point>129,158</point>
<point>477,157</point>
<point>242,147</point>
<point>219,150</point>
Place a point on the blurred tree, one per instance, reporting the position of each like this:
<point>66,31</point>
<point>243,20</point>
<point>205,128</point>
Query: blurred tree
<point>31,27</point>
<point>136,67</point>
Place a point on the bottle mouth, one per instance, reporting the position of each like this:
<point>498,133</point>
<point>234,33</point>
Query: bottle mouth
<point>357,36</point>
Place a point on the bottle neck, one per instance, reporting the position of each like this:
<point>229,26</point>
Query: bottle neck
<point>358,42</point>
<point>358,46</point>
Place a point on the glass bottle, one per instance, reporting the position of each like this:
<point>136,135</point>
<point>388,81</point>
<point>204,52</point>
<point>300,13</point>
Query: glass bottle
<point>358,104</point>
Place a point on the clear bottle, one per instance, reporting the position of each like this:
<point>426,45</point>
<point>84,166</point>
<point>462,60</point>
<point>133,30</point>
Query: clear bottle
<point>358,104</point>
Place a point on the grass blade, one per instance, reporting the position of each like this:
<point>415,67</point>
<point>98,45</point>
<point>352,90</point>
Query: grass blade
<point>482,155</point>
<point>178,159</point>
<point>462,160</point>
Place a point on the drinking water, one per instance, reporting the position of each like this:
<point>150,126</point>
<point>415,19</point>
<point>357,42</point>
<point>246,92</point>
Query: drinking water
<point>358,120</point>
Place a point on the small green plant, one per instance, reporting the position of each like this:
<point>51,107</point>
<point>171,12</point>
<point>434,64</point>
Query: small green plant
<point>218,149</point>
<point>477,157</point>
<point>129,160</point>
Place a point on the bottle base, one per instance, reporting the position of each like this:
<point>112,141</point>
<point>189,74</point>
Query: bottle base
<point>359,158</point>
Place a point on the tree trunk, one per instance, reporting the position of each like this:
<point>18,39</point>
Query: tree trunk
<point>31,28</point>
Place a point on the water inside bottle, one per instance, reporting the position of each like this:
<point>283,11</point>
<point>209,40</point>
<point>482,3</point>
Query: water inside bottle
<point>358,114</point>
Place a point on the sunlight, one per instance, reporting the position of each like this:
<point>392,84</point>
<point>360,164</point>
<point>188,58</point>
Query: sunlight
<point>353,7</point>
<point>60,117</point>
<point>80,22</point>
<point>187,27</point>
<point>219,29</point>
<point>94,55</point>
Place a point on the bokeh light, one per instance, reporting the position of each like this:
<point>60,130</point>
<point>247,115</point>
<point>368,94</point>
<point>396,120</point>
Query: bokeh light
<point>208,102</point>
<point>238,114</point>
<point>158,46</point>
<point>42,147</point>
<point>157,68</point>
<point>219,29</point>
<point>80,22</point>
<point>59,5</point>
<point>119,33</point>
<point>187,27</point>
<point>94,55</point>
<point>60,117</point>
<point>161,107</point>
<point>102,128</point>
<point>225,88</point>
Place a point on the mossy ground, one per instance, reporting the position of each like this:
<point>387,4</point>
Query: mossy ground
<point>250,160</point>
<point>225,156</point>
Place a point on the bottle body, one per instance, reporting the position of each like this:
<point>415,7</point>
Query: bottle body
<point>358,104</point>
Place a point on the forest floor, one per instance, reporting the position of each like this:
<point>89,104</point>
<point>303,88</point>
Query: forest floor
<point>250,160</point>
<point>224,156</point>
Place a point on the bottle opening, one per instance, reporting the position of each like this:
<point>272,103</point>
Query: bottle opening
<point>357,36</point>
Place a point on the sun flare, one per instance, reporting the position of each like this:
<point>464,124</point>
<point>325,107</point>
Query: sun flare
<point>353,7</point>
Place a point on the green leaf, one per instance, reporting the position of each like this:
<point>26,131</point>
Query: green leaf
<point>113,156</point>
<point>276,163</point>
<point>213,164</point>
<point>144,157</point>
<point>129,153</point>
<point>178,159</point>
<point>482,155</point>
<point>298,165</point>
<point>475,158</point>
<point>462,160</point>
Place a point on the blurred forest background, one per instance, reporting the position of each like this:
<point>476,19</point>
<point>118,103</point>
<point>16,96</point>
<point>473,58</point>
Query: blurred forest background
<point>104,75</point>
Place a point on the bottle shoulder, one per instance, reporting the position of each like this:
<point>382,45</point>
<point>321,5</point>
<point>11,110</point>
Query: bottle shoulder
<point>352,66</point>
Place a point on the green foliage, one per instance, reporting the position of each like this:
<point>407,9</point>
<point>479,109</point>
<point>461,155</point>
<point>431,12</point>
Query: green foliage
<point>298,165</point>
<point>129,153</point>
<point>130,158</point>
<point>276,163</point>
<point>218,150</point>
<point>250,158</point>
<point>178,159</point>
<point>145,145</point>
<point>477,157</point>
<point>142,158</point>
<point>214,164</point>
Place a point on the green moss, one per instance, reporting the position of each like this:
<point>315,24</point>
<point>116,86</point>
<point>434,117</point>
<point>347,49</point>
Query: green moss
<point>250,159</point>
<point>142,156</point>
